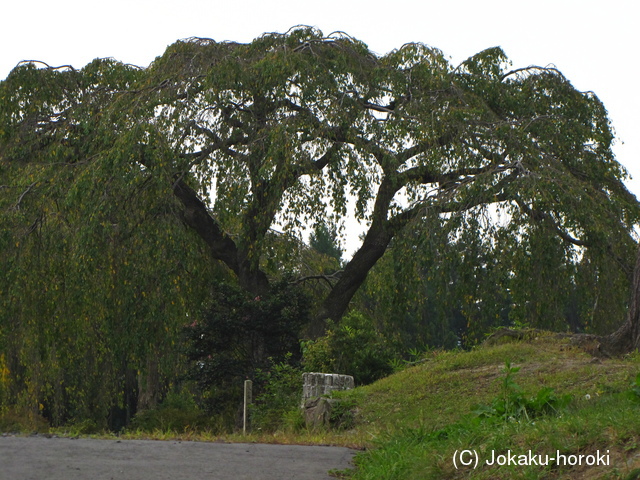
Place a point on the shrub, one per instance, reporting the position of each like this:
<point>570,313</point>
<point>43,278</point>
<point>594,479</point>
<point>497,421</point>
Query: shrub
<point>178,412</point>
<point>278,403</point>
<point>239,335</point>
<point>14,420</point>
<point>354,347</point>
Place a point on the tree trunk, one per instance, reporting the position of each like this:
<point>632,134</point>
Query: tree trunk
<point>373,246</point>
<point>627,337</point>
<point>149,385</point>
<point>354,274</point>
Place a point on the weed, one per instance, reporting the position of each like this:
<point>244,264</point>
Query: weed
<point>513,405</point>
<point>178,412</point>
<point>635,388</point>
<point>342,414</point>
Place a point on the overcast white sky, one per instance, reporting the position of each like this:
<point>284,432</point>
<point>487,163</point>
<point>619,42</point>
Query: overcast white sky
<point>593,42</point>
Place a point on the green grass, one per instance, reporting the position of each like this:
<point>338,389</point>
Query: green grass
<point>418,418</point>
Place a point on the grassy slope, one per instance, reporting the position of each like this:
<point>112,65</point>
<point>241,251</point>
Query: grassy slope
<point>416,419</point>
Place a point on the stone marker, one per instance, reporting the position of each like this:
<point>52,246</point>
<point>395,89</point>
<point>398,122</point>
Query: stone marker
<point>318,384</point>
<point>317,409</point>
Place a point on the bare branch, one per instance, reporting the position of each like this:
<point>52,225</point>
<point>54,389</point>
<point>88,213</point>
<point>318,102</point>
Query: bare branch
<point>531,68</point>
<point>327,278</point>
<point>47,66</point>
<point>29,188</point>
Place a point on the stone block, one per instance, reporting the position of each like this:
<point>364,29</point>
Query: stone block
<point>317,412</point>
<point>318,384</point>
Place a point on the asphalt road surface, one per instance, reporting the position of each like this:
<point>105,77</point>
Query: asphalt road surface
<point>41,458</point>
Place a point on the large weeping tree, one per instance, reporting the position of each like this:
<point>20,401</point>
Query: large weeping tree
<point>299,129</point>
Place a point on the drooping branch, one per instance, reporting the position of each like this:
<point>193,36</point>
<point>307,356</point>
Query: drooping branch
<point>543,217</point>
<point>22,195</point>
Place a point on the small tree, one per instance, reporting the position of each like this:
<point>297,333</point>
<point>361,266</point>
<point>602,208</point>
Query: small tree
<point>325,240</point>
<point>240,334</point>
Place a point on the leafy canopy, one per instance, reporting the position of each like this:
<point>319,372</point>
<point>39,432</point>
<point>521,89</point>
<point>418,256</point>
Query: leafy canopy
<point>102,168</point>
<point>287,129</point>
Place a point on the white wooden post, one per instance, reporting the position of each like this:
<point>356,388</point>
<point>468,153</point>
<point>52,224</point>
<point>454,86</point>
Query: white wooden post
<point>248,387</point>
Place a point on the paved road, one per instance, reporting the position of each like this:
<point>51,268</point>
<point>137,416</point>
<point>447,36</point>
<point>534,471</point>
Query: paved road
<point>40,458</point>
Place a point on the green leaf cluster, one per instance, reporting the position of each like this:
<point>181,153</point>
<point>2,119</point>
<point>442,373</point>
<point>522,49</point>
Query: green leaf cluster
<point>239,337</point>
<point>354,347</point>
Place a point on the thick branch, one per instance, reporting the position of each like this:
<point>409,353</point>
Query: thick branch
<point>221,246</point>
<point>196,216</point>
<point>379,236</point>
<point>423,147</point>
<point>354,274</point>
<point>373,247</point>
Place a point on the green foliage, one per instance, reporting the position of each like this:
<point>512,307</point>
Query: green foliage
<point>343,413</point>
<point>324,240</point>
<point>127,193</point>
<point>19,420</point>
<point>601,293</point>
<point>354,347</point>
<point>442,284</point>
<point>635,387</point>
<point>240,335</point>
<point>414,421</point>
<point>98,273</point>
<point>278,403</point>
<point>93,292</point>
<point>178,413</point>
<point>426,454</point>
<point>445,283</point>
<point>513,405</point>
<point>83,427</point>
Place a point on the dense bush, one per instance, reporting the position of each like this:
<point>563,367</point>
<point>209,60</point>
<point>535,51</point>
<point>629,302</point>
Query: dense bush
<point>240,335</point>
<point>15,419</point>
<point>178,412</point>
<point>278,403</point>
<point>354,347</point>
